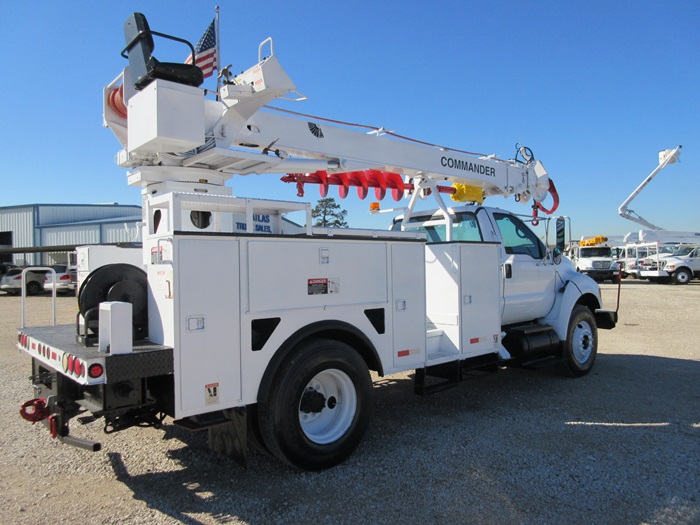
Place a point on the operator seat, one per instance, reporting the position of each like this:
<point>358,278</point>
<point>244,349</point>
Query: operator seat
<point>144,67</point>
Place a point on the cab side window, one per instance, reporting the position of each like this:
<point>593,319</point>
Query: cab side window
<point>465,227</point>
<point>518,238</point>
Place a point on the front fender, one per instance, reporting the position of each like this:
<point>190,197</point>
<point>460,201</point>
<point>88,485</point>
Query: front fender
<point>573,289</point>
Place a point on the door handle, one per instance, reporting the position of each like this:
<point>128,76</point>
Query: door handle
<point>509,270</point>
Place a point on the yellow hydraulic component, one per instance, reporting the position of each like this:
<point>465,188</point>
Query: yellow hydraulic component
<point>466,193</point>
<point>600,239</point>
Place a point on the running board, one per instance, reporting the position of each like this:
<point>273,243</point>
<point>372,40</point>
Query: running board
<point>453,373</point>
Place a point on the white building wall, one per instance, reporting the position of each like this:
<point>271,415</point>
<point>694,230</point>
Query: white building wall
<point>19,220</point>
<point>77,234</point>
<point>39,225</point>
<point>49,214</point>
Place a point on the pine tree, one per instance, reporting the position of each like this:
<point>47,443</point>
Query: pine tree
<point>328,213</point>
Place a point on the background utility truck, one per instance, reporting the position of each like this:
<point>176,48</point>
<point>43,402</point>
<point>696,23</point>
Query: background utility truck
<point>680,266</point>
<point>594,257</point>
<point>280,352</point>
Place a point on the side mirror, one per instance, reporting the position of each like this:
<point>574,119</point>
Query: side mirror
<point>561,235</point>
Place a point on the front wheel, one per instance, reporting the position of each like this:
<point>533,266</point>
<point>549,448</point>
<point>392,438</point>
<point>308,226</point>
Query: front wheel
<point>319,405</point>
<point>682,276</point>
<point>581,345</point>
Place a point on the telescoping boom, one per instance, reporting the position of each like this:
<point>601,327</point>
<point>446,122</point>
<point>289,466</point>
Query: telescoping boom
<point>240,134</point>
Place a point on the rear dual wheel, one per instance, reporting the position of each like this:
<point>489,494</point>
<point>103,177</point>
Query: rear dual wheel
<point>319,405</point>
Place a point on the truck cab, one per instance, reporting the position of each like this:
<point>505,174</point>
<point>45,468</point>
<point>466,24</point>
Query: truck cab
<point>531,276</point>
<point>596,261</point>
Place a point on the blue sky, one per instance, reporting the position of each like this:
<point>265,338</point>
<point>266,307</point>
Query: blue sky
<point>594,88</point>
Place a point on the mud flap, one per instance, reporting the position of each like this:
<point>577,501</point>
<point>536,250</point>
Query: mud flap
<point>230,438</point>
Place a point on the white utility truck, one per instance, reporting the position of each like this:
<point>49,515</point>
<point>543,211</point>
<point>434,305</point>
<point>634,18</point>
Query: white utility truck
<point>279,351</point>
<point>594,257</point>
<point>680,266</point>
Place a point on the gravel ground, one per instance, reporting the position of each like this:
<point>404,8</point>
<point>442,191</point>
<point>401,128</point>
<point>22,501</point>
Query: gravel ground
<point>619,446</point>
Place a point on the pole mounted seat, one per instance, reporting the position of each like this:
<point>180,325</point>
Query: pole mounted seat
<point>144,66</point>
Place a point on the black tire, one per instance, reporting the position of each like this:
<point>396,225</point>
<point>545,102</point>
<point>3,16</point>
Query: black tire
<point>581,345</point>
<point>33,288</point>
<point>682,276</point>
<point>319,405</point>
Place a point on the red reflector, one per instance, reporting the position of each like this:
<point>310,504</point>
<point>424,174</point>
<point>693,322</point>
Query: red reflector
<point>403,353</point>
<point>95,371</point>
<point>53,426</point>
<point>473,340</point>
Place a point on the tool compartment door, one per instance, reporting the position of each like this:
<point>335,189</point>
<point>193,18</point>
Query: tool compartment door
<point>207,312</point>
<point>480,306</point>
<point>408,307</point>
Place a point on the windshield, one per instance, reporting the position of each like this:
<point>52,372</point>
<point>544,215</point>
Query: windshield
<point>600,251</point>
<point>464,227</point>
<point>683,250</point>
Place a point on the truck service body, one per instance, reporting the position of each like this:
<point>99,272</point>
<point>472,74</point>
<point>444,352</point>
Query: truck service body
<point>280,351</point>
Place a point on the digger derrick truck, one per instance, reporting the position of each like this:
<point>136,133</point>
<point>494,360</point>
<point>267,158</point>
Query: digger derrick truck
<point>279,351</point>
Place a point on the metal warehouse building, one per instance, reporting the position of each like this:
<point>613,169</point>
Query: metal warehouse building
<point>63,226</point>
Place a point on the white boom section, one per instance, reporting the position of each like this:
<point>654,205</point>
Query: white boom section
<point>666,157</point>
<point>172,126</point>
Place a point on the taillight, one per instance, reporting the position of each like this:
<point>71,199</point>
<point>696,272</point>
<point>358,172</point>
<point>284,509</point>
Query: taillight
<point>64,278</point>
<point>78,368</point>
<point>95,370</point>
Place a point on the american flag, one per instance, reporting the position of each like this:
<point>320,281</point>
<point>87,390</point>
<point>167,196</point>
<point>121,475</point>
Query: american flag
<point>205,51</point>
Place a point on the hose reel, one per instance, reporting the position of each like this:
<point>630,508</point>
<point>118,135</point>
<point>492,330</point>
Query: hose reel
<point>115,282</point>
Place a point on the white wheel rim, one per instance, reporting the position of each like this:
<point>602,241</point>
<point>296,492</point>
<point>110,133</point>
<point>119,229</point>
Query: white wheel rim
<point>582,342</point>
<point>682,277</point>
<point>340,405</point>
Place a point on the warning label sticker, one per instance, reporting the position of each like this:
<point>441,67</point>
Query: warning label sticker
<point>323,285</point>
<point>211,394</point>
